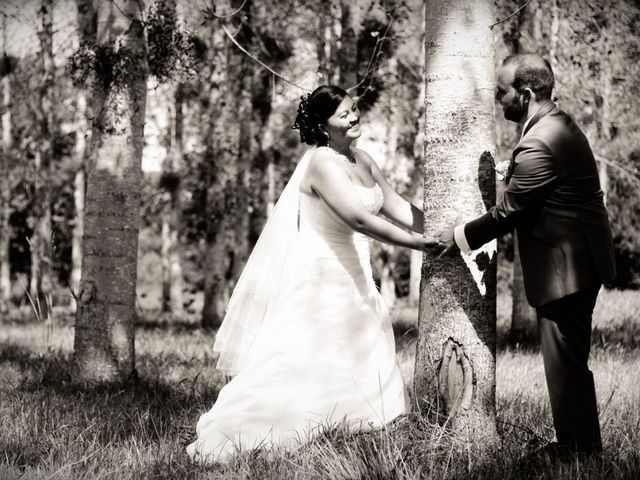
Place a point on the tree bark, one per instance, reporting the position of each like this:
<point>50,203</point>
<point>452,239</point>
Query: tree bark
<point>5,184</point>
<point>348,52</point>
<point>175,262</point>
<point>524,327</point>
<point>387,284</point>
<point>221,155</point>
<point>41,245</point>
<point>455,358</point>
<point>105,321</point>
<point>247,148</point>
<point>172,279</point>
<point>230,149</point>
<point>604,125</point>
<point>79,195</point>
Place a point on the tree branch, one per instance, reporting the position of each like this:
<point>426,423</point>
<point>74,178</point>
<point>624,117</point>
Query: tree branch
<point>264,65</point>
<point>514,13</point>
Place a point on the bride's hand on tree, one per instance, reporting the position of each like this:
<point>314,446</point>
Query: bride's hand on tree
<point>446,243</point>
<point>431,245</point>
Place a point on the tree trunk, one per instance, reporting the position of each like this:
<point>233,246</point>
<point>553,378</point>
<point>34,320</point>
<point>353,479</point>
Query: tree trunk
<point>348,52</point>
<point>455,357</point>
<point>328,26</point>
<point>175,262</point>
<point>553,36</point>
<point>165,245</point>
<point>246,150</point>
<point>230,149</point>
<point>387,284</point>
<point>79,195</point>
<point>172,281</point>
<point>41,241</point>
<point>105,321</point>
<point>604,125</point>
<point>524,327</point>
<point>221,155</point>
<point>5,185</point>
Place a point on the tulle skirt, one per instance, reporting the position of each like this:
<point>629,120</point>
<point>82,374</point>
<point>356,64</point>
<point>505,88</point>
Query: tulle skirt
<point>324,354</point>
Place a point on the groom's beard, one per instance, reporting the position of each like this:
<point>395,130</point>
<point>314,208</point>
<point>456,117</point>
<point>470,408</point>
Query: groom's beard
<point>516,110</point>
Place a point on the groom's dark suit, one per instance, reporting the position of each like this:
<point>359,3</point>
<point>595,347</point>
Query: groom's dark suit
<point>554,202</point>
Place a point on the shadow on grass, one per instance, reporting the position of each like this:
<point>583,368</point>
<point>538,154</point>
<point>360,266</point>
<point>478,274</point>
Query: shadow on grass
<point>146,409</point>
<point>173,325</point>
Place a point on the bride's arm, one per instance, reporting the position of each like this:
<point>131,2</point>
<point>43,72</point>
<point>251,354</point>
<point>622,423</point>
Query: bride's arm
<point>328,179</point>
<point>395,207</point>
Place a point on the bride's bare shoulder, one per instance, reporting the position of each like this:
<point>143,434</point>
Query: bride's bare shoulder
<point>322,153</point>
<point>322,158</point>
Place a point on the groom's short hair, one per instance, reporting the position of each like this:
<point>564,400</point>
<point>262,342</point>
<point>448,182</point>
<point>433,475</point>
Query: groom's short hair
<point>532,71</point>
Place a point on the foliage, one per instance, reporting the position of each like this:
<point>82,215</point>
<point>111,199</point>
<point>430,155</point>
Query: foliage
<point>171,52</point>
<point>110,66</point>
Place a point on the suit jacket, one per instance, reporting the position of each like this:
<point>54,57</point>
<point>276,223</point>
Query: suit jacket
<point>554,202</point>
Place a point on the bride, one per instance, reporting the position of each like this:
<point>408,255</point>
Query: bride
<point>306,333</point>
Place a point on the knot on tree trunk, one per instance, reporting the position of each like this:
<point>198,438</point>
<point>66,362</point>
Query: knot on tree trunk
<point>455,378</point>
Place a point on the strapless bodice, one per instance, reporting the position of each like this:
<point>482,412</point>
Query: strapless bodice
<point>317,216</point>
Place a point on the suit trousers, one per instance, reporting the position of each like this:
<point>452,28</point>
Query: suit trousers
<point>565,336</point>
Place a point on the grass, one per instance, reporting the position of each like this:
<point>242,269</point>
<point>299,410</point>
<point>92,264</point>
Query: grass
<point>51,429</point>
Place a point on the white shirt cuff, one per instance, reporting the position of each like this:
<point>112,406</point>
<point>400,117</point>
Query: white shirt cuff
<point>461,240</point>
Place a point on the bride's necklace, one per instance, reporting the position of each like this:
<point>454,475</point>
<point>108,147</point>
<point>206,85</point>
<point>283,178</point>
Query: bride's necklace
<point>347,156</point>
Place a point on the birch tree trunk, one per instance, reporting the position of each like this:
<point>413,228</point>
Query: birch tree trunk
<point>221,147</point>
<point>172,280</point>
<point>455,358</point>
<point>5,182</point>
<point>348,52</point>
<point>41,242</point>
<point>604,125</point>
<point>175,221</point>
<point>242,68</point>
<point>105,321</point>
<point>79,195</point>
<point>230,147</point>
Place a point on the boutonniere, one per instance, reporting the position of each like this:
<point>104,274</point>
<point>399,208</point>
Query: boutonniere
<point>502,170</point>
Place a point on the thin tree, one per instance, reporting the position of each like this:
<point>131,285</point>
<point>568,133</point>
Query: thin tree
<point>41,240</point>
<point>221,152</point>
<point>172,278</point>
<point>172,281</point>
<point>5,169</point>
<point>86,30</point>
<point>105,320</point>
<point>524,326</point>
<point>229,146</point>
<point>80,153</point>
<point>455,359</point>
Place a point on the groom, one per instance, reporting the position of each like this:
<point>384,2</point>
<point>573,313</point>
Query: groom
<point>554,202</point>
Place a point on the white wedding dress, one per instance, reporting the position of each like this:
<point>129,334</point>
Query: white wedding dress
<point>327,356</point>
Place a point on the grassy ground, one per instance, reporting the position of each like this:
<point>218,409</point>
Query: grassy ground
<point>50,429</point>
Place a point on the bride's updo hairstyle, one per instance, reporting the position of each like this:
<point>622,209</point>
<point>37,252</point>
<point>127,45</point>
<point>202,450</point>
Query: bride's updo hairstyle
<point>314,110</point>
